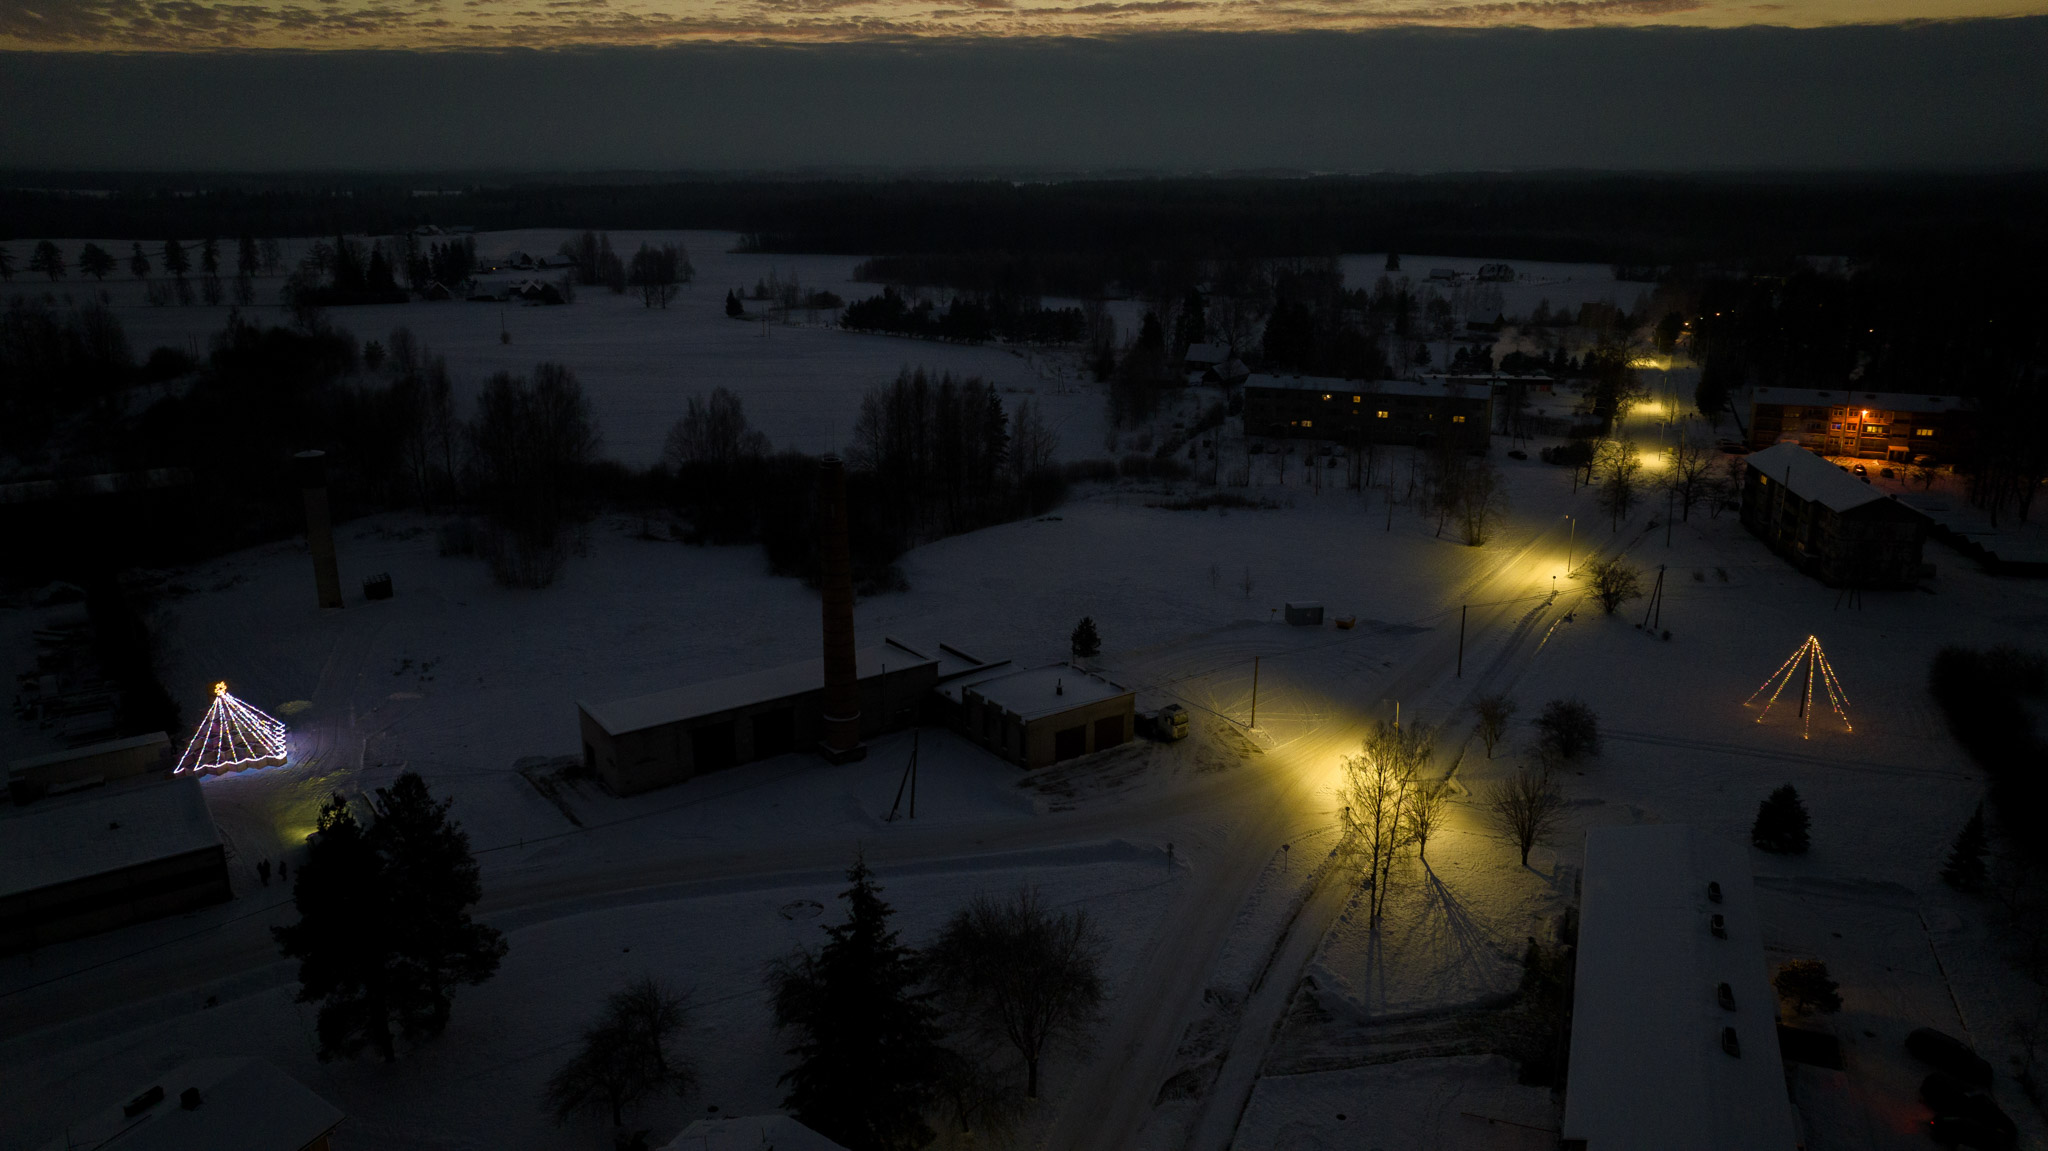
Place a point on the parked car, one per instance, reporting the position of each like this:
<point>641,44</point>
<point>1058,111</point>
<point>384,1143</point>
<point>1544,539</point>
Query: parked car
<point>1958,1131</point>
<point>1169,723</point>
<point>1947,1095</point>
<point>1947,1053</point>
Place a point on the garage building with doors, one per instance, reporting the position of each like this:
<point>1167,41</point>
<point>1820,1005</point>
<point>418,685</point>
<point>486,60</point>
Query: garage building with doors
<point>1043,715</point>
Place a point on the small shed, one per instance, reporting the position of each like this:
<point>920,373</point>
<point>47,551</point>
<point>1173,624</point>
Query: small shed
<point>1043,715</point>
<point>1305,613</point>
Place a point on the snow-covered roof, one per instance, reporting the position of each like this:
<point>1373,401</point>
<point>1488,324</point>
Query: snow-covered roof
<point>74,836</point>
<point>751,1133</point>
<point>1042,691</point>
<point>1812,478</point>
<point>1649,1070</point>
<point>1207,353</point>
<point>1426,387</point>
<point>1843,397</point>
<point>242,1105</point>
<point>713,696</point>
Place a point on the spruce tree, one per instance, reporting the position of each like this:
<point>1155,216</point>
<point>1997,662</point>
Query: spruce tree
<point>95,261</point>
<point>384,933</point>
<point>868,1056</point>
<point>1085,642</point>
<point>47,259</point>
<point>1782,823</point>
<point>1964,869</point>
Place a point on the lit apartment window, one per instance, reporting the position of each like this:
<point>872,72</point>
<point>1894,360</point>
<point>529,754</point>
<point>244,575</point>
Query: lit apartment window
<point>1923,431</point>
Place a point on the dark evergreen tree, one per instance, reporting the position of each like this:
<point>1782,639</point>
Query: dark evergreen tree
<point>1086,643</point>
<point>384,934</point>
<point>1965,869</point>
<point>95,261</point>
<point>868,1054</point>
<point>1782,824</point>
<point>47,259</point>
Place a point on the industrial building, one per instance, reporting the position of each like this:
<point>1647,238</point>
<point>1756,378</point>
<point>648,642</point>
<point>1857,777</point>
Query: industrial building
<point>79,864</point>
<point>1674,1041</point>
<point>1830,524</point>
<point>1376,411</point>
<point>210,1105</point>
<point>90,766</point>
<point>669,736</point>
<point>1894,426</point>
<point>1042,715</point>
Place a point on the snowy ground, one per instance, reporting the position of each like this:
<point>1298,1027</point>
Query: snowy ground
<point>1212,940</point>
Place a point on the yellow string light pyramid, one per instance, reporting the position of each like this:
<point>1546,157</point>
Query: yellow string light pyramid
<point>233,736</point>
<point>1810,666</point>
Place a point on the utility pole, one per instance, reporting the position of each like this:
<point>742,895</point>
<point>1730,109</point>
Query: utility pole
<point>1463,611</point>
<point>1255,693</point>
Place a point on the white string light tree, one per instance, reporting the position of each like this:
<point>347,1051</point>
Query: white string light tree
<point>233,736</point>
<point>1808,665</point>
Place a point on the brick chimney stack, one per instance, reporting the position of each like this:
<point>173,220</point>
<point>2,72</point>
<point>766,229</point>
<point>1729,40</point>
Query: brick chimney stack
<point>841,742</point>
<point>311,469</point>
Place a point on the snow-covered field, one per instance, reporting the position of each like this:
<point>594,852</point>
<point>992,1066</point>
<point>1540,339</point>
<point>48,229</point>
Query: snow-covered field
<point>1211,939</point>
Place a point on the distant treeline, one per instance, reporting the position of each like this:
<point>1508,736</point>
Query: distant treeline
<point>967,318</point>
<point>1054,237</point>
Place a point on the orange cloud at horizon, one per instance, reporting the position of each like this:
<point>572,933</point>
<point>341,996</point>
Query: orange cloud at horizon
<point>229,25</point>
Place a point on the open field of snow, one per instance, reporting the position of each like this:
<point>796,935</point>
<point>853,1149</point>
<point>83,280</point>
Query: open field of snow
<point>1213,941</point>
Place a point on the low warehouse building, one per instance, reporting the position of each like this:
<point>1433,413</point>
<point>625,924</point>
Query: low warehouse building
<point>83,767</point>
<point>1043,715</point>
<point>210,1105</point>
<point>1830,524</point>
<point>81,864</point>
<point>1674,1043</point>
<point>655,740</point>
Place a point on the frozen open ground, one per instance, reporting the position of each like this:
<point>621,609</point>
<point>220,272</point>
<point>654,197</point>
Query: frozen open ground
<point>1218,947</point>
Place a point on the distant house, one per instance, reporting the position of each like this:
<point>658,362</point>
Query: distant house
<point>209,1105</point>
<point>1373,411</point>
<point>1894,426</point>
<point>1043,715</point>
<point>1830,524</point>
<point>1674,1043</point>
<point>80,864</point>
<point>751,1133</point>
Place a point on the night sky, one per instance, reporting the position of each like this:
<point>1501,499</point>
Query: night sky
<point>1163,85</point>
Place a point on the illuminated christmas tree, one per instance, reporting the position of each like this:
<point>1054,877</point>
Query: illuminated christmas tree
<point>233,736</point>
<point>1809,665</point>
